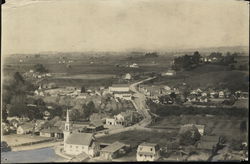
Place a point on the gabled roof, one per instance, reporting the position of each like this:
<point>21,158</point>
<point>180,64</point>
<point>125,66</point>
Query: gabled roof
<point>148,144</point>
<point>113,147</point>
<point>96,123</point>
<point>80,139</point>
<point>210,138</point>
<point>206,145</point>
<point>51,130</point>
<point>27,126</point>
<point>120,85</point>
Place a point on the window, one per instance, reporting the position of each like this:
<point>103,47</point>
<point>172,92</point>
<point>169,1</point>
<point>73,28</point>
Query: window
<point>70,146</point>
<point>151,149</point>
<point>76,147</point>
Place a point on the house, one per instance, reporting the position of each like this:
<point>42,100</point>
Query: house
<point>39,92</point>
<point>95,126</point>
<point>31,71</point>
<point>123,118</point>
<point>123,95</point>
<point>114,150</point>
<point>25,128</point>
<point>119,88</point>
<point>204,94</point>
<point>110,121</point>
<point>208,143</point>
<point>52,132</point>
<point>213,94</point>
<point>167,88</point>
<point>169,73</point>
<point>221,94</point>
<point>203,99</point>
<point>46,115</point>
<point>49,86</point>
<point>128,76</point>
<point>76,143</point>
<point>148,152</point>
<point>192,98</point>
<point>39,124</point>
<point>134,65</point>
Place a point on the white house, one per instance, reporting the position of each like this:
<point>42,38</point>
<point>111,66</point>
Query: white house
<point>123,95</point>
<point>110,121</point>
<point>119,88</point>
<point>25,128</point>
<point>134,65</point>
<point>128,76</point>
<point>148,152</point>
<point>169,73</point>
<point>221,94</point>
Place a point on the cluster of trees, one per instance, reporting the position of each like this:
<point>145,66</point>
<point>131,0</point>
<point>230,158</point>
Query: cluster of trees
<point>224,60</point>
<point>162,110</point>
<point>151,54</point>
<point>83,113</point>
<point>14,96</point>
<point>187,62</point>
<point>40,68</point>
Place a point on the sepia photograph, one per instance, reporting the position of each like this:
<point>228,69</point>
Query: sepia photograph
<point>124,81</point>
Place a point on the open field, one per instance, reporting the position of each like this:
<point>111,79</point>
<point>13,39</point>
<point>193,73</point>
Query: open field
<point>215,125</point>
<point>136,137</point>
<point>86,76</point>
<point>208,76</point>
<point>16,139</point>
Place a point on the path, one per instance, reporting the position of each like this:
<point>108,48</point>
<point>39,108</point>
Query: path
<point>139,103</point>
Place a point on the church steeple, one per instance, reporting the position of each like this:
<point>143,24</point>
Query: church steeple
<point>67,116</point>
<point>67,128</point>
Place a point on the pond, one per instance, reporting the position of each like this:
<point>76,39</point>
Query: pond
<point>31,156</point>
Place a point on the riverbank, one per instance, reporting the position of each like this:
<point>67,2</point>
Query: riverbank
<point>36,146</point>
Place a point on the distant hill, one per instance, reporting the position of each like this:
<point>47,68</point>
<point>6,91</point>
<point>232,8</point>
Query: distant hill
<point>243,49</point>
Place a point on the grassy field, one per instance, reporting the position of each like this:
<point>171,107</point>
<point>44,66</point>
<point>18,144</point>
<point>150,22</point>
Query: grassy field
<point>214,76</point>
<point>216,125</point>
<point>86,70</point>
<point>136,137</point>
<point>15,139</point>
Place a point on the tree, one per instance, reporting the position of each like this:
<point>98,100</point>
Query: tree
<point>83,90</point>
<point>18,79</point>
<point>88,109</point>
<point>40,68</point>
<point>189,136</point>
<point>196,57</point>
<point>95,117</point>
<point>75,115</point>
<point>243,126</point>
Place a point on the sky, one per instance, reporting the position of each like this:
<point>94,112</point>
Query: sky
<point>120,25</point>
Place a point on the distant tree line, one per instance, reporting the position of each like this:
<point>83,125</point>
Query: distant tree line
<point>187,62</point>
<point>162,110</point>
<point>151,54</point>
<point>40,68</point>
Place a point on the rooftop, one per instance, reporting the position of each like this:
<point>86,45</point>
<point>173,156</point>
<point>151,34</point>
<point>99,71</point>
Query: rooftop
<point>120,85</point>
<point>80,139</point>
<point>148,144</point>
<point>210,138</point>
<point>113,147</point>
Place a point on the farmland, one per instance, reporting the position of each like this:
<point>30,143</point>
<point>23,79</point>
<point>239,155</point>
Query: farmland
<point>223,77</point>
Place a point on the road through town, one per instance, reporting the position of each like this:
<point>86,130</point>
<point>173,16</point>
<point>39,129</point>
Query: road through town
<point>139,102</point>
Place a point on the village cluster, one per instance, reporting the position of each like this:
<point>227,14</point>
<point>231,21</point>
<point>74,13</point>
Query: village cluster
<point>80,139</point>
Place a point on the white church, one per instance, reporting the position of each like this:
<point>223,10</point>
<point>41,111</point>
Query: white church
<point>76,143</point>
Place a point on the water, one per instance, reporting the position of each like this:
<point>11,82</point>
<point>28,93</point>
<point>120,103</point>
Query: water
<point>30,156</point>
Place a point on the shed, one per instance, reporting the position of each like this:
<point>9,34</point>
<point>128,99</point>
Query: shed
<point>114,150</point>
